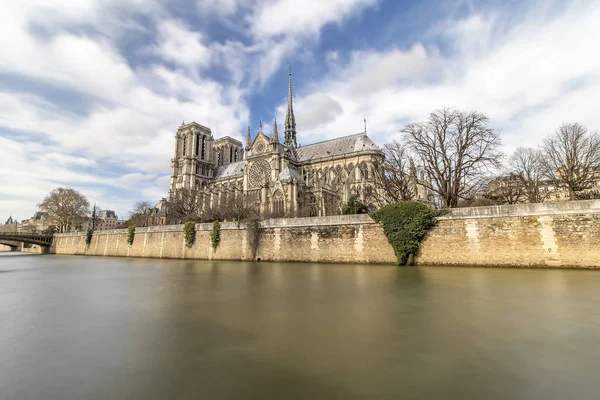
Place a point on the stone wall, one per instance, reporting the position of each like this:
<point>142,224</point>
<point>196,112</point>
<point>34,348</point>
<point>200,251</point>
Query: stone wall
<point>540,235</point>
<point>563,234</point>
<point>355,239</point>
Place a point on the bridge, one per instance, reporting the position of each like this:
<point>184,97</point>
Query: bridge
<point>13,239</point>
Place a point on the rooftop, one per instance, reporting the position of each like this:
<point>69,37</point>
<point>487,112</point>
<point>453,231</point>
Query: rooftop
<point>229,170</point>
<point>336,147</point>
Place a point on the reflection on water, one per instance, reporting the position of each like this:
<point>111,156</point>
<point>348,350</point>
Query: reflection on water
<point>112,328</point>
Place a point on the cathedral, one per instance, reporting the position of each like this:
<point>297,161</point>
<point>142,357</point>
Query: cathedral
<point>272,174</point>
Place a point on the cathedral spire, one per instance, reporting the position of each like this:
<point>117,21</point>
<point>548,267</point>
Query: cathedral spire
<point>248,139</point>
<point>275,138</point>
<point>290,120</point>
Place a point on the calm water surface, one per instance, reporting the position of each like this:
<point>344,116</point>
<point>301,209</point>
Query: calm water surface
<point>114,328</point>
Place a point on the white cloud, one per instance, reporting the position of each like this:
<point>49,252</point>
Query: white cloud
<point>529,75</point>
<point>297,18</point>
<point>134,110</point>
<point>181,45</point>
<point>315,110</point>
<point>131,122</point>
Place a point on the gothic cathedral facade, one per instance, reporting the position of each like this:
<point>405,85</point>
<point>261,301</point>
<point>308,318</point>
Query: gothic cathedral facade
<point>278,178</point>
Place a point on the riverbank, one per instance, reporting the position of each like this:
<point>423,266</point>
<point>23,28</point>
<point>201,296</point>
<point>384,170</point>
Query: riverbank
<point>549,235</point>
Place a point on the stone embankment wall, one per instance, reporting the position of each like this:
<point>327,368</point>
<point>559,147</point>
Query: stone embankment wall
<point>351,238</point>
<point>563,234</point>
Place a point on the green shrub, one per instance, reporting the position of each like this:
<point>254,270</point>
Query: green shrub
<point>189,231</point>
<point>130,235</point>
<point>215,236</point>
<point>88,236</point>
<point>355,206</point>
<point>405,224</point>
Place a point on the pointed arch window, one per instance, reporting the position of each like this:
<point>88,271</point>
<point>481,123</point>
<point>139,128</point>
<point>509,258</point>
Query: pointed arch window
<point>338,174</point>
<point>236,155</point>
<point>203,147</point>
<point>184,146</point>
<point>364,169</point>
<point>278,204</point>
<point>230,154</point>
<point>197,144</point>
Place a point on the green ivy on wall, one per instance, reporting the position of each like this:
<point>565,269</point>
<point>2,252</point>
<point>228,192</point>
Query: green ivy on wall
<point>189,231</point>
<point>130,235</point>
<point>405,224</point>
<point>88,236</point>
<point>215,236</point>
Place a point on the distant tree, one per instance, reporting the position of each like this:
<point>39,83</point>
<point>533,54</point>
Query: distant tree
<point>188,203</point>
<point>355,206</point>
<point>527,164</point>
<point>457,150</point>
<point>29,228</point>
<point>395,179</point>
<point>476,202</point>
<point>140,214</point>
<point>66,207</point>
<point>507,189</point>
<point>572,158</point>
<point>140,208</point>
<point>49,230</point>
<point>238,208</point>
<point>588,195</point>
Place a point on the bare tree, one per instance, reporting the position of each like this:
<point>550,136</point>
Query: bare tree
<point>527,164</point>
<point>141,208</point>
<point>30,228</point>
<point>507,189</point>
<point>141,214</point>
<point>457,149</point>
<point>65,207</point>
<point>238,208</point>
<point>395,179</point>
<point>188,202</point>
<point>588,195</point>
<point>572,158</point>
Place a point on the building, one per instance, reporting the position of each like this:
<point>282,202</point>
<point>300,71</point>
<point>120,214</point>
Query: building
<point>511,189</point>
<point>106,219</point>
<point>272,174</point>
<point>10,225</point>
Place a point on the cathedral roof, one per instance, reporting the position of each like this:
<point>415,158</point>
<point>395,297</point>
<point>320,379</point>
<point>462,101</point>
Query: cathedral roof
<point>336,147</point>
<point>230,170</point>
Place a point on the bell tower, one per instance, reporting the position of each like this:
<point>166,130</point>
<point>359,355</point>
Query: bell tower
<point>193,161</point>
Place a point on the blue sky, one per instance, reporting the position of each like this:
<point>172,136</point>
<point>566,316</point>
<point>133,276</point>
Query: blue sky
<point>92,91</point>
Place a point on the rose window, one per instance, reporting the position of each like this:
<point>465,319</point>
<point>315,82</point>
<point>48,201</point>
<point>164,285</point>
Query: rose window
<point>259,173</point>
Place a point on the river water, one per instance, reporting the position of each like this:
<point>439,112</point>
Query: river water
<point>114,328</point>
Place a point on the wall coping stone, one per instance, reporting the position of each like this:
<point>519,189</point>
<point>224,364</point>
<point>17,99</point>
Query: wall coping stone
<point>269,224</point>
<point>526,210</point>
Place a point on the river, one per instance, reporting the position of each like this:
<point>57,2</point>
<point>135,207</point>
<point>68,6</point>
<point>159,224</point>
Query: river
<point>115,328</point>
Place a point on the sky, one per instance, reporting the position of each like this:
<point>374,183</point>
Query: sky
<point>92,91</point>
